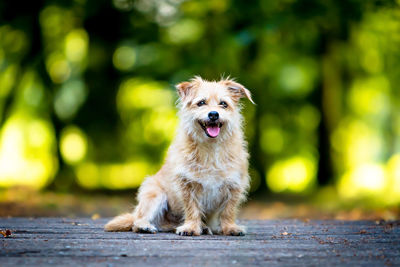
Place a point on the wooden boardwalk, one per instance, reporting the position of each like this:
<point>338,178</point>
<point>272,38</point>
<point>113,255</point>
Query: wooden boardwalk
<point>82,242</point>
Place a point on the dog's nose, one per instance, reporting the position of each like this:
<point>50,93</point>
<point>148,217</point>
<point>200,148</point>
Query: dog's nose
<point>213,115</point>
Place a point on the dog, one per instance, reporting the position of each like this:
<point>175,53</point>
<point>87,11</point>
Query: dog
<point>205,175</point>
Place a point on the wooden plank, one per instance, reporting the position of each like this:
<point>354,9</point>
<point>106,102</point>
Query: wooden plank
<point>49,241</point>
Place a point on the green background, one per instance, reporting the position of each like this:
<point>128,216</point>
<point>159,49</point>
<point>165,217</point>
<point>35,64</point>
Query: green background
<point>87,96</point>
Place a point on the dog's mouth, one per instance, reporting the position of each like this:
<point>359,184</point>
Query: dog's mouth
<point>211,128</point>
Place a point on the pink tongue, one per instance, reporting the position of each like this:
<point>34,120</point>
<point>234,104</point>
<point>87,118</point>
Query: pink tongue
<point>213,131</point>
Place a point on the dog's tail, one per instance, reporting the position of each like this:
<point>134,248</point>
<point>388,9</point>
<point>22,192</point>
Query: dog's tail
<point>121,223</point>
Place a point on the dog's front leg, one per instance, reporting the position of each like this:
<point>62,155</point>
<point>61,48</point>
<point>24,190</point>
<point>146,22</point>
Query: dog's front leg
<point>228,214</point>
<point>193,213</point>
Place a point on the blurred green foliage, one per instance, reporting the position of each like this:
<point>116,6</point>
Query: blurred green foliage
<point>87,97</point>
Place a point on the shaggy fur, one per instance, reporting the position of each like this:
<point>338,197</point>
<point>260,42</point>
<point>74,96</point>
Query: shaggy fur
<point>205,175</point>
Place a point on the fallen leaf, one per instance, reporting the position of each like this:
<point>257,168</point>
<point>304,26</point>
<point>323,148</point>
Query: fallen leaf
<point>6,233</point>
<point>95,216</point>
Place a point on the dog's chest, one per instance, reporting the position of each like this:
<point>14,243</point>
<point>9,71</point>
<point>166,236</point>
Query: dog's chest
<point>212,195</point>
<point>215,190</point>
<point>215,184</point>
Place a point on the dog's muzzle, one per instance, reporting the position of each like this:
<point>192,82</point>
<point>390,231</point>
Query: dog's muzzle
<point>211,128</point>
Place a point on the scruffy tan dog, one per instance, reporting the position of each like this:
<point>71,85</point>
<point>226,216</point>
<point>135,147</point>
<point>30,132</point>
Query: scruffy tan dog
<point>205,175</point>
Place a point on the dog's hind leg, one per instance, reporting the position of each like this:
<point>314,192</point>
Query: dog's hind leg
<point>152,204</point>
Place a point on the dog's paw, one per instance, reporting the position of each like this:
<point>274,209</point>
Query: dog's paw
<point>188,230</point>
<point>234,230</point>
<point>144,228</point>
<point>206,230</point>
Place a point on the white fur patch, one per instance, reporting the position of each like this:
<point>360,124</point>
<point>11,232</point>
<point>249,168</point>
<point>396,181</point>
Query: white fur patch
<point>159,210</point>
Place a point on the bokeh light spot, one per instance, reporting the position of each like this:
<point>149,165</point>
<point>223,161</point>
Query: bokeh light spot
<point>185,31</point>
<point>112,175</point>
<point>32,89</point>
<point>297,79</point>
<point>308,117</point>
<point>13,41</point>
<point>58,68</point>
<point>76,45</point>
<point>272,140</point>
<point>124,5</point>
<point>73,145</point>
<point>393,172</point>
<point>364,179</point>
<point>371,61</point>
<point>370,96</point>
<point>88,175</point>
<point>293,174</point>
<point>357,142</point>
<point>27,152</point>
<point>137,93</point>
<point>7,79</point>
<point>69,98</point>
<point>124,58</point>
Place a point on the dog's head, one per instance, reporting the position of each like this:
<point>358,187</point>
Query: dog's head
<point>211,110</point>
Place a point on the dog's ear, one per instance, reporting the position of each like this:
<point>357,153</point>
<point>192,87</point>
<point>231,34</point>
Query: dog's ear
<point>237,90</point>
<point>183,89</point>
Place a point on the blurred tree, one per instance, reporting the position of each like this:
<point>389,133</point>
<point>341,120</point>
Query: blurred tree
<point>86,89</point>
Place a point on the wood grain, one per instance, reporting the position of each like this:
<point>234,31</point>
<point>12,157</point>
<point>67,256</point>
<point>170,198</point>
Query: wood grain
<point>67,242</point>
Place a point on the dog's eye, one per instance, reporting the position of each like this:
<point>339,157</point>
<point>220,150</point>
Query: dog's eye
<point>201,103</point>
<point>223,104</point>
